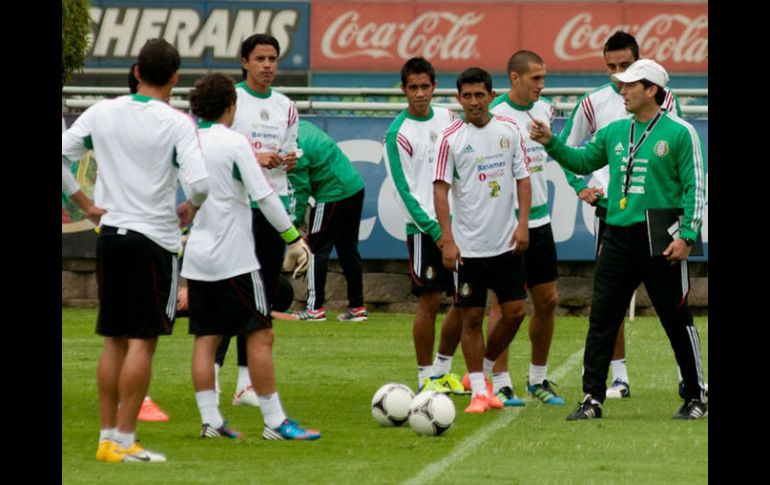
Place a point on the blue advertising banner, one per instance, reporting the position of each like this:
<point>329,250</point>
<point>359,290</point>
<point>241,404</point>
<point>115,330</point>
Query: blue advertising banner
<point>383,231</point>
<point>208,34</point>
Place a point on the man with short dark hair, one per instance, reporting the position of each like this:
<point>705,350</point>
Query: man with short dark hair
<point>523,104</point>
<point>410,151</point>
<point>655,163</point>
<point>593,111</point>
<point>143,146</point>
<point>226,294</point>
<point>482,158</point>
<point>268,119</point>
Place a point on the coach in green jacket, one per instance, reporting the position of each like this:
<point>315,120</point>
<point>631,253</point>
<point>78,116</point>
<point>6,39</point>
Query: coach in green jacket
<point>656,162</point>
<point>326,174</point>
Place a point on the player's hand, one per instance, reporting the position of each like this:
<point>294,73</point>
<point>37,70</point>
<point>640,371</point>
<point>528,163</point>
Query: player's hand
<point>540,132</point>
<point>520,239</point>
<point>297,258</point>
<point>290,161</point>
<point>269,159</point>
<point>590,195</point>
<point>450,255</point>
<point>181,298</point>
<point>676,251</point>
<point>186,212</point>
<point>94,214</point>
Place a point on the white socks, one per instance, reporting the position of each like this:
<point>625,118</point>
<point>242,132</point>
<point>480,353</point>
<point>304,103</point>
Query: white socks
<point>442,364</point>
<point>501,380</point>
<point>244,380</point>
<point>207,405</point>
<point>272,411</point>
<point>478,386</point>
<point>423,372</point>
<point>619,370</point>
<point>486,366</point>
<point>125,440</point>
<point>537,373</point>
<point>107,434</point>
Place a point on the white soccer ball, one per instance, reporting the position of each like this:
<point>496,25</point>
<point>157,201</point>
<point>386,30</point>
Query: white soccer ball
<point>431,413</point>
<point>390,404</point>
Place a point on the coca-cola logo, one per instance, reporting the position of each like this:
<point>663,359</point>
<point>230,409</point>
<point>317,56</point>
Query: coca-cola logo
<point>433,35</point>
<point>666,36</point>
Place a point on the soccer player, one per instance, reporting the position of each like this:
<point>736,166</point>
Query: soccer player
<point>594,111</point>
<point>655,162</point>
<point>268,119</point>
<point>149,411</point>
<point>325,173</point>
<point>225,291</point>
<point>481,158</point>
<point>523,104</point>
<point>410,145</point>
<point>143,146</point>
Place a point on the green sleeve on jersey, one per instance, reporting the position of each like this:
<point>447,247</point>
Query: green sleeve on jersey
<point>592,156</point>
<point>692,175</point>
<point>423,221</point>
<point>237,173</point>
<point>299,178</point>
<point>575,181</point>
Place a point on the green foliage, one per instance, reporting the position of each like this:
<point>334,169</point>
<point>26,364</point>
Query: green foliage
<point>326,375</point>
<point>75,26</point>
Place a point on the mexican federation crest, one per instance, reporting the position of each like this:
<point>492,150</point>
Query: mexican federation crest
<point>661,148</point>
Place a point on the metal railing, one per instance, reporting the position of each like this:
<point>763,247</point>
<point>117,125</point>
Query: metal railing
<point>81,97</point>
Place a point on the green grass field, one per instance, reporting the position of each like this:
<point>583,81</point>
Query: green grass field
<point>327,373</point>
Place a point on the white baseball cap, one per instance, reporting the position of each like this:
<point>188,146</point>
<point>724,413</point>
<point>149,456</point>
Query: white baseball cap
<point>643,69</point>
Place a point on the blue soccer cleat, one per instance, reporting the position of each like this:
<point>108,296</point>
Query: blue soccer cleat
<point>290,430</point>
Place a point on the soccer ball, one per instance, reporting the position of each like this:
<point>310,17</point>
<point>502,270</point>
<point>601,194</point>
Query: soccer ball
<point>431,413</point>
<point>390,404</point>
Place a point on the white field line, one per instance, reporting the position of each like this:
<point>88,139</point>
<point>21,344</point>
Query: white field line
<point>473,442</point>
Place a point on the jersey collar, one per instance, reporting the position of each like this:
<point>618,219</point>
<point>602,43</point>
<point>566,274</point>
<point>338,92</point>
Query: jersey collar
<point>246,87</point>
<point>518,107</point>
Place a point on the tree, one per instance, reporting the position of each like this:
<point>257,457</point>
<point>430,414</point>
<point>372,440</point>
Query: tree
<point>75,27</point>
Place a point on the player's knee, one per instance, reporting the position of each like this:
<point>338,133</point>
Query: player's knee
<point>547,303</point>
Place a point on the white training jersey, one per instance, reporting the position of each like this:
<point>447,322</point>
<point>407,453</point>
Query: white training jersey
<point>481,165</point>
<point>597,109</point>
<point>269,121</point>
<point>410,145</point>
<point>141,145</point>
<point>540,110</point>
<point>221,244</point>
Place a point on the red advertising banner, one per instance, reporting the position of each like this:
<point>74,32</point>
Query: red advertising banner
<point>381,36</point>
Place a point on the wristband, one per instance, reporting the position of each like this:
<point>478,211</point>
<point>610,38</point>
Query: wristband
<point>290,235</point>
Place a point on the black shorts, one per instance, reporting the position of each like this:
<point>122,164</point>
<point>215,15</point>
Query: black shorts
<point>425,266</point>
<point>233,306</point>
<point>137,282</point>
<point>503,274</point>
<point>540,256</point>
